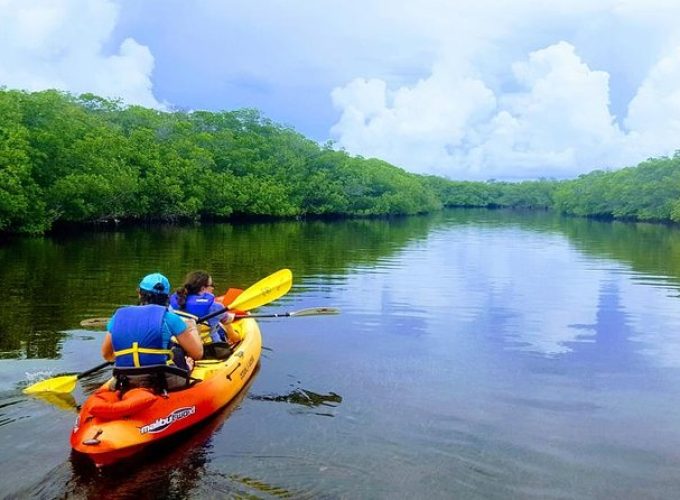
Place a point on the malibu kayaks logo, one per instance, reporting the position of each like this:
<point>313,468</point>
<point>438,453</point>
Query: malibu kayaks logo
<point>162,423</point>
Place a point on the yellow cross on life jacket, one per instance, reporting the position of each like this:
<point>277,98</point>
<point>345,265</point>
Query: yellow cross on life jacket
<point>135,350</point>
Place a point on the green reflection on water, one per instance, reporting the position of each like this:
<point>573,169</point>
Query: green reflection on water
<point>652,249</point>
<point>50,284</point>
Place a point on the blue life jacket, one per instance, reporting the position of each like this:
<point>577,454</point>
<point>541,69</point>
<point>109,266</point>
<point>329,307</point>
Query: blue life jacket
<point>137,336</point>
<point>197,305</point>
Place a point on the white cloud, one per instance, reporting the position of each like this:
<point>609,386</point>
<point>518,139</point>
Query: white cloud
<point>421,123</point>
<point>61,44</point>
<point>455,123</point>
<point>490,110</point>
<point>654,113</point>
<point>471,90</point>
<point>561,121</point>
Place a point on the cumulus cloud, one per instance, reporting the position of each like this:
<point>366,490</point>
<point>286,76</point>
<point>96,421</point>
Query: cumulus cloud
<point>654,113</point>
<point>561,120</point>
<point>547,113</point>
<point>455,123</point>
<point>63,45</point>
<point>421,123</point>
<point>470,89</point>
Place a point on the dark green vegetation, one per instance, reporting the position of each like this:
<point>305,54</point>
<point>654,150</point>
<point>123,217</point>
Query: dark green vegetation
<point>648,192</point>
<point>82,159</point>
<point>85,159</point>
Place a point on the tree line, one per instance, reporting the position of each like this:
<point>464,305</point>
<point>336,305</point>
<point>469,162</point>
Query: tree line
<point>66,159</point>
<point>649,191</point>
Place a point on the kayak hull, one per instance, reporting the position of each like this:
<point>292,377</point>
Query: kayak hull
<point>108,430</point>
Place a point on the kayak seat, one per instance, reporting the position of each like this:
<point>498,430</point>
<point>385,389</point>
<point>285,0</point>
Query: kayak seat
<point>217,350</point>
<point>159,378</point>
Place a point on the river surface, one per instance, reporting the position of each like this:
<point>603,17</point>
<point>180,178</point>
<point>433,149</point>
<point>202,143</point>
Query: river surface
<point>479,354</point>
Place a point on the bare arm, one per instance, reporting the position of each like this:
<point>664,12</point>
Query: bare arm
<point>227,318</point>
<point>107,348</point>
<point>190,341</point>
<point>225,323</point>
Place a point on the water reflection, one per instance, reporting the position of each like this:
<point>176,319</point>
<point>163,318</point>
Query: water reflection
<point>608,344</point>
<point>479,354</point>
<point>64,402</point>
<point>52,283</point>
<point>486,264</point>
<point>304,397</point>
<point>531,282</point>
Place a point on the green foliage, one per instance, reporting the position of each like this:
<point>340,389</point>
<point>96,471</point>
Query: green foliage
<point>79,159</point>
<point>648,192</point>
<point>21,204</point>
<point>83,159</point>
<point>527,194</point>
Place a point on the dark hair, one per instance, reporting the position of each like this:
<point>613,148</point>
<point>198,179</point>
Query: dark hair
<point>193,282</point>
<point>145,298</point>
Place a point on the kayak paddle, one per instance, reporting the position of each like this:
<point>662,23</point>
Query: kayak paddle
<point>64,383</point>
<point>311,311</point>
<point>95,322</point>
<point>263,292</point>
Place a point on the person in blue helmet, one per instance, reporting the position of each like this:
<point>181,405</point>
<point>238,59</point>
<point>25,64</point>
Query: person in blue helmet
<point>195,299</point>
<point>149,334</point>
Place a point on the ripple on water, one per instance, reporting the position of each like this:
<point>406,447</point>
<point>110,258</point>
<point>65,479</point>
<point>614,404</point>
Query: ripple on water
<point>284,476</point>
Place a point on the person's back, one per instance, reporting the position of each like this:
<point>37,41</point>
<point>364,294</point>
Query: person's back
<point>196,299</point>
<point>137,335</point>
<point>149,335</point>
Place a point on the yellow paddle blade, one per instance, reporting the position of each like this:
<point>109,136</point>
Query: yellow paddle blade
<point>264,291</point>
<point>94,322</point>
<point>315,311</point>
<point>65,384</point>
<point>58,399</point>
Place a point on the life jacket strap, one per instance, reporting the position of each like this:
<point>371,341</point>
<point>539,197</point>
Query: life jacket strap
<point>135,351</point>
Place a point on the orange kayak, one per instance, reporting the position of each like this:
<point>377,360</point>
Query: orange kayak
<point>109,429</point>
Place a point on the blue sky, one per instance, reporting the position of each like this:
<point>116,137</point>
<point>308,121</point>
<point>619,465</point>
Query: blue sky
<point>467,89</point>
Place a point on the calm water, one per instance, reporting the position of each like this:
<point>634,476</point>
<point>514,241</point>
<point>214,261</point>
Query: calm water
<point>479,354</point>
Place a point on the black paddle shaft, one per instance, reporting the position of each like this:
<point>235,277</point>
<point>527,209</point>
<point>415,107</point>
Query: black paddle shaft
<point>95,369</point>
<point>212,315</point>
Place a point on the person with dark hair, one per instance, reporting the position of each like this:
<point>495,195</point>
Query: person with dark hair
<point>196,299</point>
<point>149,334</point>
